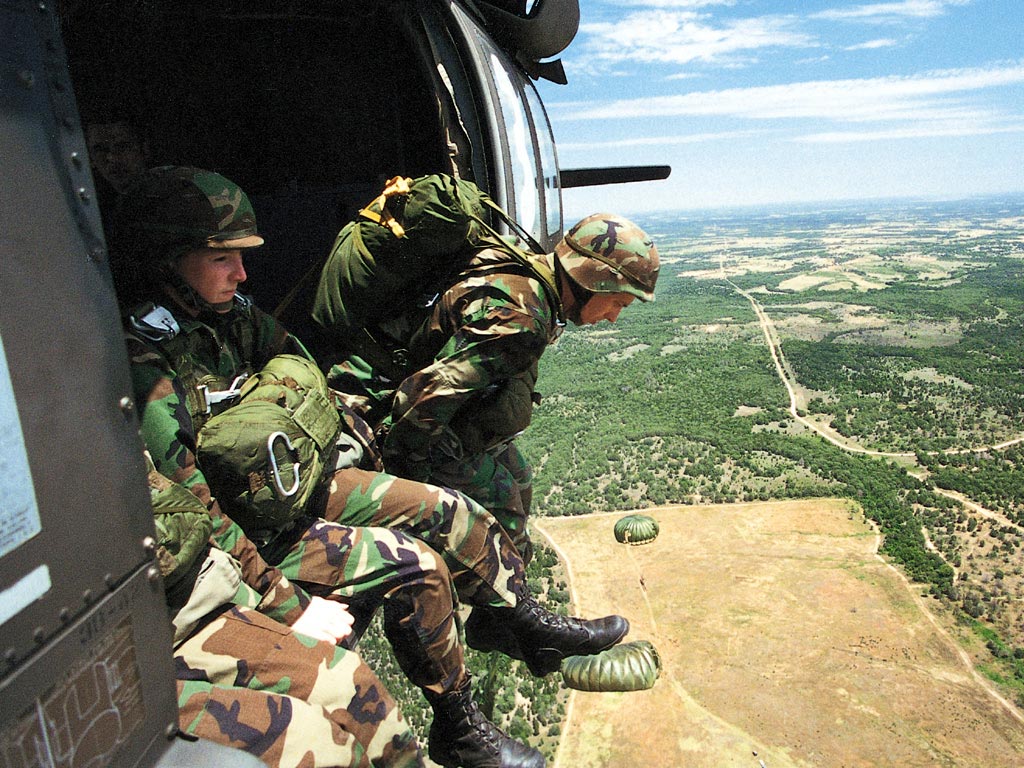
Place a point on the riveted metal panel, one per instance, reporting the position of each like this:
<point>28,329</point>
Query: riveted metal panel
<point>85,672</point>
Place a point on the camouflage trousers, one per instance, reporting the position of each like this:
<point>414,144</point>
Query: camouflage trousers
<point>502,482</point>
<point>368,567</point>
<point>485,566</point>
<point>248,682</point>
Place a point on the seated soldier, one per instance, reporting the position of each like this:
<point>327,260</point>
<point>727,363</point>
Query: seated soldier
<point>190,346</point>
<point>244,679</point>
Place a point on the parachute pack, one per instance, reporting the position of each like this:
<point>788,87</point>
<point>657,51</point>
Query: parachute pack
<point>404,244</point>
<point>266,455</point>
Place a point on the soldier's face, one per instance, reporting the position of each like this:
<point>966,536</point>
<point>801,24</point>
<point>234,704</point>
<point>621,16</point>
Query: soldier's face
<point>604,306</point>
<point>115,152</point>
<point>213,273</point>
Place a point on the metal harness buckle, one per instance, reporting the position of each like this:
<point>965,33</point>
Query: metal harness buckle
<point>219,396</point>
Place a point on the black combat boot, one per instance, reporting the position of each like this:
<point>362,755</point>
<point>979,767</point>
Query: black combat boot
<point>540,638</point>
<point>461,737</point>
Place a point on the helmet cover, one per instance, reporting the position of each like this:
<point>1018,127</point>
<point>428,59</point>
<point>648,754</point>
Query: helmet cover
<point>606,253</point>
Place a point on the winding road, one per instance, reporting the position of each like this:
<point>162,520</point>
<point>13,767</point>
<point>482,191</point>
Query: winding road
<point>788,380</point>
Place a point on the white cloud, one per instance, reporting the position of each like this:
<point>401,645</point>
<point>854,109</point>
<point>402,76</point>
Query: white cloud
<point>654,141</point>
<point>885,42</point>
<point>887,12</point>
<point>928,130</point>
<point>929,96</point>
<point>669,3</point>
<point>680,37</point>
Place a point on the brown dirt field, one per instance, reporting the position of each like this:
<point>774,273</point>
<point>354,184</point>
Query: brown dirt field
<point>784,639</point>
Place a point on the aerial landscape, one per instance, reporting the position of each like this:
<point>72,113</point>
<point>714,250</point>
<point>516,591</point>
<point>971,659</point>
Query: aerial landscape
<point>822,409</point>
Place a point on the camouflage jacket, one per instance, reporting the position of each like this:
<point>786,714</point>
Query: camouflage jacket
<point>166,370</point>
<point>475,357</point>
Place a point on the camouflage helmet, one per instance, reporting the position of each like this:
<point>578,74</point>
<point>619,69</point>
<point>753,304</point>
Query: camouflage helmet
<point>605,253</point>
<point>179,207</point>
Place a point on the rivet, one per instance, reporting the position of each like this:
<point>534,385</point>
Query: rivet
<point>10,655</point>
<point>126,404</point>
<point>171,730</point>
<point>153,574</point>
<point>76,159</point>
<point>149,545</point>
<point>42,7</point>
<point>39,634</point>
<point>109,580</point>
<point>83,195</point>
<point>65,615</point>
<point>87,596</point>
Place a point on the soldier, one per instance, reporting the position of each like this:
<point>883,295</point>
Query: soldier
<point>117,152</point>
<point>192,343</point>
<point>452,418</point>
<point>290,703</point>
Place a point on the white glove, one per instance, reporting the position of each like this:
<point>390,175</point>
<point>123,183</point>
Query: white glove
<point>325,620</point>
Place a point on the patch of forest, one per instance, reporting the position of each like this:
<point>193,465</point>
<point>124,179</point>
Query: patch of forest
<point>680,402</point>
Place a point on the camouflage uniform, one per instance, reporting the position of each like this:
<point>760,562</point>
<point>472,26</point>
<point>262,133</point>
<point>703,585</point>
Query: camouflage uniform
<point>215,348</point>
<point>453,384</point>
<point>360,565</point>
<point>187,356</point>
<point>247,681</point>
<point>474,364</point>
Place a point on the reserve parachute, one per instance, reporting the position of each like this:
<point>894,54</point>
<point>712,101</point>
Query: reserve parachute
<point>636,530</point>
<point>267,454</point>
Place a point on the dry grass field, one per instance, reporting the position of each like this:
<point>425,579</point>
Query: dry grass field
<point>785,640</point>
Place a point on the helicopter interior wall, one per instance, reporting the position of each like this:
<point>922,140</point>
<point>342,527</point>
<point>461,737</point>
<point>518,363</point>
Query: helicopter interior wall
<point>309,113</point>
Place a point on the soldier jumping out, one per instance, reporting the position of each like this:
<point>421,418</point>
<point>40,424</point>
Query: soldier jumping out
<point>188,347</point>
<point>452,382</point>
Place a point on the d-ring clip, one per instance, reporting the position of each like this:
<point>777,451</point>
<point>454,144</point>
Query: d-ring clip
<point>275,470</point>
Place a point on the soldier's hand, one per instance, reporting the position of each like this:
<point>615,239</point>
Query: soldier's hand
<point>325,620</point>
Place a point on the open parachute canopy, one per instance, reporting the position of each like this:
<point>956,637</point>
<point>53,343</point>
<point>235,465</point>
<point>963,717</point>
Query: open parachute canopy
<point>636,529</point>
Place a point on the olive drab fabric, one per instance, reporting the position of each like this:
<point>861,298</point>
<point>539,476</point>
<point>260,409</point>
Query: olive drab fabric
<point>267,454</point>
<point>183,527</point>
<point>636,530</point>
<point>401,250</point>
<point>631,666</point>
<point>448,415</point>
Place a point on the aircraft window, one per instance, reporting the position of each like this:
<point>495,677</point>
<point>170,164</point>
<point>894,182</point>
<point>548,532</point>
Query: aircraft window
<point>548,163</point>
<point>524,170</point>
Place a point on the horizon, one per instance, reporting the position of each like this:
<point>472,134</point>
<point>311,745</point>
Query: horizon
<point>765,102</point>
<point>784,207</point>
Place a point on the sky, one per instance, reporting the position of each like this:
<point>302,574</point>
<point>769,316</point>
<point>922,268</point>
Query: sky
<point>762,101</point>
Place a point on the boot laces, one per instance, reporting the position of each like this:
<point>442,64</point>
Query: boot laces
<point>554,621</point>
<point>491,734</point>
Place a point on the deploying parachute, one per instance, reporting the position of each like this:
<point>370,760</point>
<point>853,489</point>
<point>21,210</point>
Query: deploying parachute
<point>636,529</point>
<point>631,666</point>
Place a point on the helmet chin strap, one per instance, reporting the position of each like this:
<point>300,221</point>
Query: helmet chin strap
<point>190,299</point>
